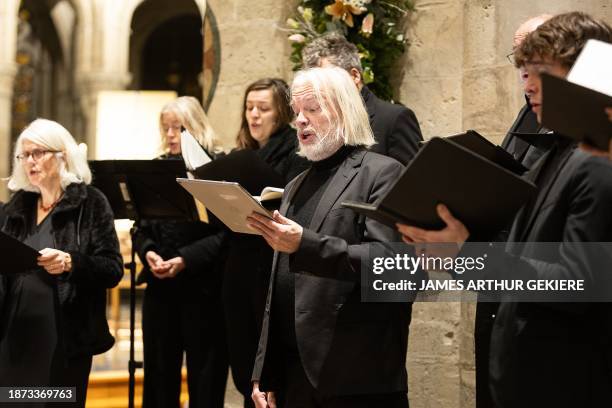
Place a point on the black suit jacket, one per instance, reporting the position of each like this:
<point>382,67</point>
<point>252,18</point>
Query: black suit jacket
<point>525,122</point>
<point>347,347</point>
<point>396,128</point>
<point>556,354</point>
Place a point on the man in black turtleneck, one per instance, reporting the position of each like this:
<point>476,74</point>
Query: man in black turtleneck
<point>395,127</point>
<point>320,345</point>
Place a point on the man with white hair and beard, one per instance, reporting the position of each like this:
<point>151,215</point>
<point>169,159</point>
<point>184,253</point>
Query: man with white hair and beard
<point>320,345</point>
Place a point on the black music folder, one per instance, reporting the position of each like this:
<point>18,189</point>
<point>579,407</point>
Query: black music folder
<point>145,189</point>
<point>576,112</point>
<point>479,144</point>
<point>18,257</point>
<point>244,167</point>
<point>482,194</point>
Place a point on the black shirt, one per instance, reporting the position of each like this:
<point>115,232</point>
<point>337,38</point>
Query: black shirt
<point>31,338</point>
<point>301,210</point>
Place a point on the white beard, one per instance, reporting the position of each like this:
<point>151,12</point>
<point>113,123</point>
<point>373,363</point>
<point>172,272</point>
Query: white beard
<point>324,147</point>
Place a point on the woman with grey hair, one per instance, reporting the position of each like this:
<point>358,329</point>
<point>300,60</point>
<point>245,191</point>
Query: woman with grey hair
<point>53,317</point>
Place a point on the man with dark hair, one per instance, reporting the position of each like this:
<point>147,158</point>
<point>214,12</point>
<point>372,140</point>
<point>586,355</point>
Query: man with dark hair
<point>551,354</point>
<point>526,121</point>
<point>396,128</point>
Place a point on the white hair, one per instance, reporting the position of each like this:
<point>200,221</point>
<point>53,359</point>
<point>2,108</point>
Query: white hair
<point>53,136</point>
<point>340,102</point>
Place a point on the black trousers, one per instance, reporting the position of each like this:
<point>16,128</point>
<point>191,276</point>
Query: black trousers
<point>179,319</point>
<point>245,287</point>
<point>72,373</point>
<point>298,392</point>
<point>483,326</point>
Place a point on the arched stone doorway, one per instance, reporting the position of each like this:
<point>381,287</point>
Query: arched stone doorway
<point>167,48</point>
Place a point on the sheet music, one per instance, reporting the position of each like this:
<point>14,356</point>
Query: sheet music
<point>193,153</point>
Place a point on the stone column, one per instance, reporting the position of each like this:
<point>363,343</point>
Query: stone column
<point>252,48</point>
<point>432,85</point>
<point>8,70</point>
<point>7,76</point>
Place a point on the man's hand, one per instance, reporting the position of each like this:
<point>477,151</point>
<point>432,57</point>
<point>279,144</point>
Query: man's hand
<point>53,260</point>
<point>454,232</point>
<point>262,399</point>
<point>280,233</point>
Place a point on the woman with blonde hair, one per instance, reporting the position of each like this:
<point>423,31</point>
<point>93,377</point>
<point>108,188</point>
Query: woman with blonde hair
<point>53,318</point>
<point>186,112</point>
<point>180,311</point>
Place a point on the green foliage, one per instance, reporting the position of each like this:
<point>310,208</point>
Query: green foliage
<point>379,49</point>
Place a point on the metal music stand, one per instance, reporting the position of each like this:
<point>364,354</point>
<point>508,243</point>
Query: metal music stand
<point>142,190</point>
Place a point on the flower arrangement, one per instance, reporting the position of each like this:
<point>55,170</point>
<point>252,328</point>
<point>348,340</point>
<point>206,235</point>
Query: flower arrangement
<point>374,26</point>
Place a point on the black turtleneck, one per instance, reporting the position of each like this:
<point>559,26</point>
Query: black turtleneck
<point>301,210</point>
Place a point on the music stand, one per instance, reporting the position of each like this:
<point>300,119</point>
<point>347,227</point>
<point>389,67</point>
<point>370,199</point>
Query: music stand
<point>139,190</point>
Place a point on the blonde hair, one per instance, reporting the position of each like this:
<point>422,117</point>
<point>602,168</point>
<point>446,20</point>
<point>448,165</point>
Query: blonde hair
<point>340,102</point>
<point>192,117</point>
<point>53,136</point>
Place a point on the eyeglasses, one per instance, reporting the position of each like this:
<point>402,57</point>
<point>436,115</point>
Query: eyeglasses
<point>510,57</point>
<point>35,154</point>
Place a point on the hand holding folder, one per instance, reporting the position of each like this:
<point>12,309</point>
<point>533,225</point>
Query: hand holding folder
<point>19,256</point>
<point>229,201</point>
<point>481,193</point>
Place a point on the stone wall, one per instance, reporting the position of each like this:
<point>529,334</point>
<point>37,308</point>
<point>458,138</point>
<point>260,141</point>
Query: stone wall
<point>252,47</point>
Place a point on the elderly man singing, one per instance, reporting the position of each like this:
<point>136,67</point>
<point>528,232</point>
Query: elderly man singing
<point>320,345</point>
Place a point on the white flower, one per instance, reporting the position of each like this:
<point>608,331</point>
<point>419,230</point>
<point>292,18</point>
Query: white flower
<point>297,38</point>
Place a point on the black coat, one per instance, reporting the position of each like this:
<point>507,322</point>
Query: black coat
<point>347,347</point>
<point>197,242</point>
<point>83,226</point>
<point>556,354</point>
<point>396,128</point>
<point>244,294</point>
<point>525,122</point>
<point>280,153</point>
